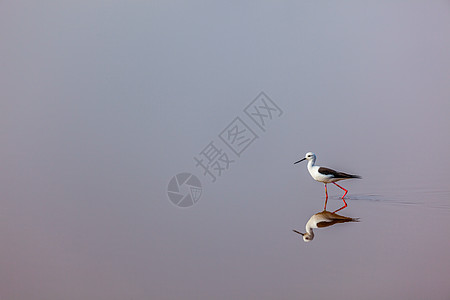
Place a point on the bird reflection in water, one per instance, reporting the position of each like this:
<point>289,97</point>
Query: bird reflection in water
<point>321,220</point>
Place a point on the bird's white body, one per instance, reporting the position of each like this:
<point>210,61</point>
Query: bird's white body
<point>316,175</point>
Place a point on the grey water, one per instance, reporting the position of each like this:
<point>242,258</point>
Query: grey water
<point>103,104</point>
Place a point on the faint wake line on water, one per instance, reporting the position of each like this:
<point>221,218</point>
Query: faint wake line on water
<point>393,201</point>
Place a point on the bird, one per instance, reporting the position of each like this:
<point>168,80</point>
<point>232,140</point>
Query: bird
<point>326,175</point>
<point>321,220</point>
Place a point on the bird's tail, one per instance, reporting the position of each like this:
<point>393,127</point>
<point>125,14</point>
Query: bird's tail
<point>346,176</point>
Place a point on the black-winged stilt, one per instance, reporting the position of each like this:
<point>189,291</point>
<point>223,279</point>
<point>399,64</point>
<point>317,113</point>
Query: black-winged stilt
<point>321,220</point>
<point>326,175</point>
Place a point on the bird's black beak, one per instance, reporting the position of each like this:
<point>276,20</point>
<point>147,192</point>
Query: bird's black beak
<point>300,160</point>
<point>302,234</point>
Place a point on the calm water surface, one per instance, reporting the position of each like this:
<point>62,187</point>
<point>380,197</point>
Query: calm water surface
<point>103,102</point>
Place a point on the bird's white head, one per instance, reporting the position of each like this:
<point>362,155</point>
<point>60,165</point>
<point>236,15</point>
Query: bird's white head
<point>307,237</point>
<point>308,156</point>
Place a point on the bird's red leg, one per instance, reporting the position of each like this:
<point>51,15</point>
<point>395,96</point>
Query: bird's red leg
<point>326,197</point>
<point>341,188</point>
<point>345,203</point>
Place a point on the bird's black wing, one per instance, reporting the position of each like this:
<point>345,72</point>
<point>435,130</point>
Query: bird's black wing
<point>325,223</point>
<point>336,221</point>
<point>336,174</point>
